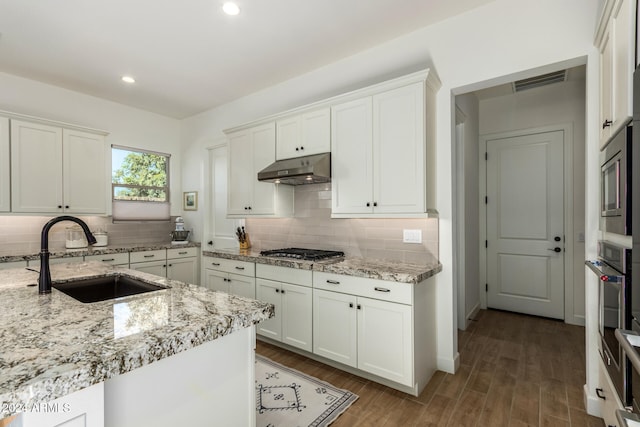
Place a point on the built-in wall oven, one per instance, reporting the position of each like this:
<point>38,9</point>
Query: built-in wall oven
<point>615,183</point>
<point>612,268</point>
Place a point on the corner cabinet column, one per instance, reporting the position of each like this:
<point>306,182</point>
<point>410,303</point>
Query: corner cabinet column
<point>5,169</point>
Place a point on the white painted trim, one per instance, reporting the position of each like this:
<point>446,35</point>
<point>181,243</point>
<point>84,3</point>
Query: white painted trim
<point>447,365</point>
<point>473,313</point>
<point>567,129</point>
<point>50,122</point>
<point>592,403</point>
<point>458,184</point>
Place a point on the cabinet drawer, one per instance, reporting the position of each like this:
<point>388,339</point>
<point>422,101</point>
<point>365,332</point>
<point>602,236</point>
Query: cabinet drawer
<point>160,254</point>
<point>284,274</point>
<point>360,286</point>
<point>231,266</point>
<point>122,258</point>
<point>181,253</point>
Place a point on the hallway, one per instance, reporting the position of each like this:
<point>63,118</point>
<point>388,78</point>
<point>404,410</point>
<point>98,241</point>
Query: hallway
<point>515,370</point>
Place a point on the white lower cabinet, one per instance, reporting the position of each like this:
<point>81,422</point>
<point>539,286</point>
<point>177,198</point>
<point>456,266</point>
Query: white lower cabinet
<point>289,290</point>
<point>606,391</point>
<point>292,321</point>
<point>230,276</point>
<point>152,262</point>
<point>372,335</point>
<point>182,264</point>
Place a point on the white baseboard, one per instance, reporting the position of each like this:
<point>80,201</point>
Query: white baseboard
<point>447,365</point>
<point>592,403</point>
<point>472,314</point>
<point>575,320</point>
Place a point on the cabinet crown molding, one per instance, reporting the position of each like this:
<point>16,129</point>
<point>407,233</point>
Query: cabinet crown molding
<point>426,75</point>
<point>34,119</point>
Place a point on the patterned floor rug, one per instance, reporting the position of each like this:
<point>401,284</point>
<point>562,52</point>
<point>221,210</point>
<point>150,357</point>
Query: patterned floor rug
<point>288,398</point>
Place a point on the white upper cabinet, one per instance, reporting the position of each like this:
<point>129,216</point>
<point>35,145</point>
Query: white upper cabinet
<point>352,157</point>
<point>55,170</point>
<point>250,151</point>
<point>379,154</point>
<point>5,161</point>
<point>614,39</point>
<point>304,134</point>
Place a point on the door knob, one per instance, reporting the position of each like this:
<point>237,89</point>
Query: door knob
<point>556,249</point>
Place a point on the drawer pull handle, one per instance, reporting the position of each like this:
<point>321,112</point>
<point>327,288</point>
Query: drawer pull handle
<point>183,253</point>
<point>333,282</point>
<point>381,289</point>
<point>217,264</point>
<point>108,259</point>
<point>148,256</point>
<point>600,393</point>
<point>239,268</point>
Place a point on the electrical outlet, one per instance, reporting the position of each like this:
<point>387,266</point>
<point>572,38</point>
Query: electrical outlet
<point>412,236</point>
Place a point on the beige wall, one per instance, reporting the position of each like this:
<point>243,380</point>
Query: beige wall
<point>313,227</point>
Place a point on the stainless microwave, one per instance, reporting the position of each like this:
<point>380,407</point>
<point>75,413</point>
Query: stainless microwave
<point>615,184</point>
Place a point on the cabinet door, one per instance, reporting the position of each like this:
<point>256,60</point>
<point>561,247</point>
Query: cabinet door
<point>288,138</point>
<point>5,161</point>
<point>243,286</point>
<point>297,308</point>
<point>159,268</point>
<point>606,87</point>
<point>83,408</point>
<point>351,157</point>
<point>216,280</point>
<point>623,17</point>
<point>334,326</point>
<point>385,340</point>
<point>36,167</point>
<point>316,132</point>
<point>263,154</point>
<point>269,291</point>
<point>84,173</point>
<point>241,173</point>
<point>399,150</point>
<point>183,269</point>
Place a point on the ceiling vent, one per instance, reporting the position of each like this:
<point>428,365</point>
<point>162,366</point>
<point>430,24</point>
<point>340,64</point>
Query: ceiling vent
<point>543,80</point>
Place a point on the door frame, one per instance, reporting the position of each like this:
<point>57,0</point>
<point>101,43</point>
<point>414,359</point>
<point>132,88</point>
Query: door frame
<point>567,128</point>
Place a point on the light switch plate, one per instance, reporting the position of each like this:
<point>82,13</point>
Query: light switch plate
<point>412,236</point>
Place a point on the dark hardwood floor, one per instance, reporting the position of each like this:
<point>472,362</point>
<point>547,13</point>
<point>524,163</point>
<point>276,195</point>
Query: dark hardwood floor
<point>515,370</point>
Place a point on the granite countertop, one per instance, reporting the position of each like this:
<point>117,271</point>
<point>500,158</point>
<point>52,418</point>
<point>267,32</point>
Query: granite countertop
<point>54,345</point>
<point>349,266</point>
<point>12,256</point>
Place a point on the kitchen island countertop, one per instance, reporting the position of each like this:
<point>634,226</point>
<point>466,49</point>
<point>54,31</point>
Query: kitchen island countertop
<point>55,345</point>
<point>349,266</point>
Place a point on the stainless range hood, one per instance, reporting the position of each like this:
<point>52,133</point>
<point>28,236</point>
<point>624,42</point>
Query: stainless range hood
<point>300,170</point>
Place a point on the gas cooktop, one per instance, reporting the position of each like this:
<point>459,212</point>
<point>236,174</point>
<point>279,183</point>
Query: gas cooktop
<point>303,254</point>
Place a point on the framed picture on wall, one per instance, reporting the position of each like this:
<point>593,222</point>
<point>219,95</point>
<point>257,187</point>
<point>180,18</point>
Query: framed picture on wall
<point>190,201</point>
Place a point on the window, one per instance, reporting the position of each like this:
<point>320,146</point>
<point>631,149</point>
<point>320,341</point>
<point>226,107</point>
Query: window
<point>140,184</point>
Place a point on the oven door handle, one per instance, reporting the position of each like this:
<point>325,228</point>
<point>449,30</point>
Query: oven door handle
<point>628,341</point>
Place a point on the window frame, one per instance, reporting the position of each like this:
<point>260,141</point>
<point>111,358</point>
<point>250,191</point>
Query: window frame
<point>166,188</point>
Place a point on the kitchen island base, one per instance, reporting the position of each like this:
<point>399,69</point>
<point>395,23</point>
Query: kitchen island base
<point>212,384</point>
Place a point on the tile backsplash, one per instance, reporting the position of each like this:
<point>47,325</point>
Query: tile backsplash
<point>21,234</point>
<point>313,227</point>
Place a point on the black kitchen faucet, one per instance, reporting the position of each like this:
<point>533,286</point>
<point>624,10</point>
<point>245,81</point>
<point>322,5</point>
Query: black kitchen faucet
<point>44,282</point>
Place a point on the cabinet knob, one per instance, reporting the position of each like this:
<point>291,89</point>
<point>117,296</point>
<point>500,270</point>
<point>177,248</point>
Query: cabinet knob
<point>375,203</point>
<point>368,204</point>
<point>359,307</point>
<point>350,305</point>
<point>277,291</point>
<point>66,207</point>
<point>282,291</point>
<point>59,206</point>
<point>301,148</point>
<point>297,149</point>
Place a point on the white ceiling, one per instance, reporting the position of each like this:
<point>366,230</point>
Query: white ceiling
<point>186,55</point>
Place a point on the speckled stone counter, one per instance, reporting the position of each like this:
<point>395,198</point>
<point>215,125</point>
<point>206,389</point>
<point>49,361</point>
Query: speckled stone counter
<point>53,345</point>
<point>360,267</point>
<point>98,250</point>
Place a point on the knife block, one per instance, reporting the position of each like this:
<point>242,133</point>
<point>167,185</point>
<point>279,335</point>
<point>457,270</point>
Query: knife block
<point>246,244</point>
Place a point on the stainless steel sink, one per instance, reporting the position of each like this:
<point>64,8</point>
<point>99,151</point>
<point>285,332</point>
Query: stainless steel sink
<point>105,288</point>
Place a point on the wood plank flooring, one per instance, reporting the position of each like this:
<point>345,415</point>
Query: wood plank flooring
<point>515,370</point>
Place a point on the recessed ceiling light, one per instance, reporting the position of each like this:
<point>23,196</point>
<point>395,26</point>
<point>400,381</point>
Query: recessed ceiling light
<point>128,79</point>
<point>230,8</point>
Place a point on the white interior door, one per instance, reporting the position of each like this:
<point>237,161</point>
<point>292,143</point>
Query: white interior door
<point>525,224</point>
